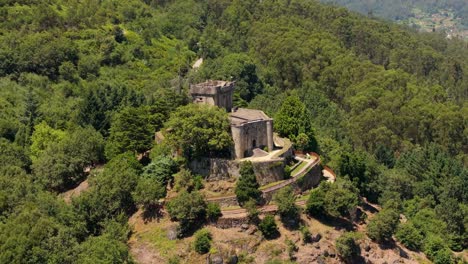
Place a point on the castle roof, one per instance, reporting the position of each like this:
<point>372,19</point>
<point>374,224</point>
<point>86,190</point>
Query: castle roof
<point>242,116</point>
<point>211,87</point>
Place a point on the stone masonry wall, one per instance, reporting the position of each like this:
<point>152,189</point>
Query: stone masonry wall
<point>222,169</point>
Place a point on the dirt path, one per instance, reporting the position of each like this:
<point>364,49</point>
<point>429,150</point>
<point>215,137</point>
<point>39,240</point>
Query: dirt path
<point>67,196</point>
<point>241,212</point>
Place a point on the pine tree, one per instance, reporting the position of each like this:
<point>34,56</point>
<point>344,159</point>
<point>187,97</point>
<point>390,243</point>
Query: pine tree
<point>247,185</point>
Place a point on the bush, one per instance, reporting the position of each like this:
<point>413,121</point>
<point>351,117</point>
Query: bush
<point>432,245</point>
<point>383,225</point>
<point>202,242</point>
<point>247,185</point>
<point>315,205</point>
<point>213,211</point>
<point>268,227</point>
<point>443,257</point>
<point>409,236</point>
<point>292,248</point>
<point>287,207</point>
<point>306,235</point>
<point>189,209</point>
<point>347,247</point>
<point>252,211</point>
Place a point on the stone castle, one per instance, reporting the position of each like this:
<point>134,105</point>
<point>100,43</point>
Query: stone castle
<point>250,129</point>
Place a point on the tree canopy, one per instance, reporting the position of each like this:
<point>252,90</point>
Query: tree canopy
<point>199,131</point>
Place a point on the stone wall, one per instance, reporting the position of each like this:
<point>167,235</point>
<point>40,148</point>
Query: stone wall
<point>227,201</point>
<point>249,136</point>
<point>309,180</point>
<point>222,169</point>
<point>215,169</point>
<point>269,171</point>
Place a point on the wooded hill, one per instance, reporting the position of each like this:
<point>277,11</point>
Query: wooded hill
<point>85,82</point>
<point>401,10</point>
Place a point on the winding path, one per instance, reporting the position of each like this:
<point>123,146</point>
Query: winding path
<point>240,212</point>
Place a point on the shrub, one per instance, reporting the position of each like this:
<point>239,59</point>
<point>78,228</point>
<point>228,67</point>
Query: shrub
<point>247,185</point>
<point>287,207</point>
<point>189,209</point>
<point>315,205</point>
<point>347,247</point>
<point>268,227</point>
<point>306,235</point>
<point>292,248</point>
<point>202,242</point>
<point>252,211</point>
<point>213,211</point>
<point>383,225</point>
<point>409,236</point>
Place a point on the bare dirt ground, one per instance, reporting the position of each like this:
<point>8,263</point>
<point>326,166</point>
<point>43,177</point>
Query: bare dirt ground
<point>150,244</point>
<point>83,186</point>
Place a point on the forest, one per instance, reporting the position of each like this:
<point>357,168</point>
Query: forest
<point>86,84</point>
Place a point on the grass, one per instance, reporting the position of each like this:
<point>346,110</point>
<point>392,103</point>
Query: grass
<point>270,185</point>
<point>157,237</point>
<point>233,207</point>
<point>298,168</point>
<point>303,197</point>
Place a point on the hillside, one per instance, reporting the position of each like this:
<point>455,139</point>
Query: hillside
<point>449,16</point>
<point>85,85</point>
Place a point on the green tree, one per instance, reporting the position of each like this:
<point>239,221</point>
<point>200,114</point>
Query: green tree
<point>213,211</point>
<point>189,209</point>
<point>62,163</point>
<point>347,247</point>
<point>45,224</point>
<point>268,227</point>
<point>202,242</point>
<point>130,131</point>
<point>199,130</point>
<point>161,169</point>
<point>290,119</point>
<point>382,227</point>
<point>102,249</point>
<point>287,207</point>
<point>335,200</point>
<point>409,236</point>
<point>110,192</point>
<point>341,199</point>
<point>148,192</point>
<point>315,205</point>
<point>42,137</point>
<point>252,211</point>
<point>247,185</point>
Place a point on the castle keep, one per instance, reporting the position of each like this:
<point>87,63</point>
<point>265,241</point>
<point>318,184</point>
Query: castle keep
<point>250,129</point>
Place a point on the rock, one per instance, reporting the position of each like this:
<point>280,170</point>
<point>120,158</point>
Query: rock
<point>367,248</point>
<point>172,233</point>
<point>402,253</point>
<point>252,230</point>
<point>332,253</point>
<point>216,259</point>
<point>316,238</point>
<point>317,246</point>
<point>233,259</point>
<point>245,226</point>
<point>320,261</point>
<point>325,253</point>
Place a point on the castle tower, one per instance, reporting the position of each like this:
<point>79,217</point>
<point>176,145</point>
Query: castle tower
<point>217,93</point>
